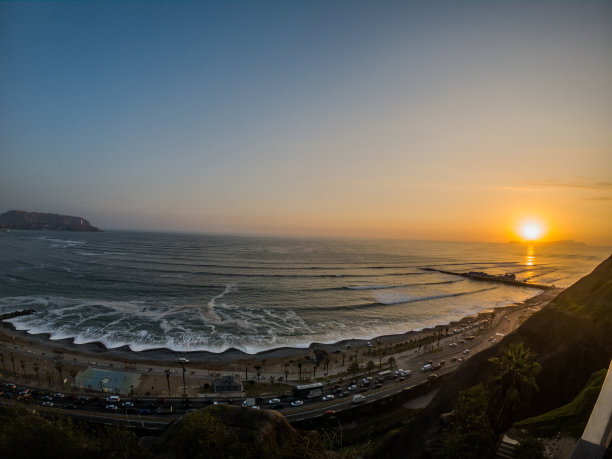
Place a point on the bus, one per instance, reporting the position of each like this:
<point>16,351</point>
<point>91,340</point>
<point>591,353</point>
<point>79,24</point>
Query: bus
<point>308,390</point>
<point>385,374</point>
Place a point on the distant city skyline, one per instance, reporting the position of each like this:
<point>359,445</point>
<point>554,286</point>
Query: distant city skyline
<point>416,120</point>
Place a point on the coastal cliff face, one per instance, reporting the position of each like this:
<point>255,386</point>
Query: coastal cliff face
<point>571,337</point>
<point>18,219</point>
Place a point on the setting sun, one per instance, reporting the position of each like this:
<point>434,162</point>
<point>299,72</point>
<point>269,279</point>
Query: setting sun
<point>531,231</point>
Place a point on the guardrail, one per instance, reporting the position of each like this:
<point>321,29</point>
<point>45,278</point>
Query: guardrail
<point>597,437</point>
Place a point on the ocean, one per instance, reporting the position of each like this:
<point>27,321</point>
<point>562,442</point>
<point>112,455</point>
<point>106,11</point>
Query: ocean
<point>199,292</point>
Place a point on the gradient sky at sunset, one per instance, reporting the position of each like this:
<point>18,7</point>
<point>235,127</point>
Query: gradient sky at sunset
<point>420,120</point>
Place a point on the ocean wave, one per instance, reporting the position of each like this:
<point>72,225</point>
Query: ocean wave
<point>386,287</point>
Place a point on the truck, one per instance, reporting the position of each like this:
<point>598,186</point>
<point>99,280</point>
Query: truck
<point>248,402</point>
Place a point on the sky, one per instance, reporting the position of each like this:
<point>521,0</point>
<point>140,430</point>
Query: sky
<point>417,120</point>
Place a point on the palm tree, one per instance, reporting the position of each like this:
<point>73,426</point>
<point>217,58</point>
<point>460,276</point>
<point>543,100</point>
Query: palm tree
<point>354,368</point>
<point>22,365</point>
<point>513,382</point>
<point>370,366</point>
<point>391,362</point>
<point>12,356</point>
<point>184,386</point>
<point>73,374</point>
<point>167,371</point>
<point>299,365</point>
<point>35,366</point>
<point>59,366</point>
<point>258,369</point>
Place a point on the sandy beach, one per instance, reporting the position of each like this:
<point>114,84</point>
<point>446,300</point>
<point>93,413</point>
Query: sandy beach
<point>21,353</point>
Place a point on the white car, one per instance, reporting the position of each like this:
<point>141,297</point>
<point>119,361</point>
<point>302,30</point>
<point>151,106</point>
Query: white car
<point>328,397</point>
<point>453,345</point>
<point>297,403</point>
<point>467,351</point>
<point>274,401</point>
<point>352,387</point>
<point>113,399</point>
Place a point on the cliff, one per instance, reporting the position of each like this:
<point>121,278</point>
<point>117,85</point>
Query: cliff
<point>18,219</point>
<point>571,337</point>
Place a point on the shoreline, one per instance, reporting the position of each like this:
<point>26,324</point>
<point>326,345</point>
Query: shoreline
<point>231,358</point>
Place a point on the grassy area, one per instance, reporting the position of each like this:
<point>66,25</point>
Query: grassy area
<point>256,390</point>
<point>571,418</point>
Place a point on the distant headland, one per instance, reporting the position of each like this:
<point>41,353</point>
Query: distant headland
<point>37,221</point>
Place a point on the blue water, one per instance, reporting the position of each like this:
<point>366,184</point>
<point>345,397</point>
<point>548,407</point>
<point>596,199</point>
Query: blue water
<point>205,292</point>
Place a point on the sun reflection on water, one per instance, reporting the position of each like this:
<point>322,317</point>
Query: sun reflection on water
<point>530,260</point>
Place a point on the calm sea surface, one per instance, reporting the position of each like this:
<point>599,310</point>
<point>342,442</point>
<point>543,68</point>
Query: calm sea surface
<point>205,292</point>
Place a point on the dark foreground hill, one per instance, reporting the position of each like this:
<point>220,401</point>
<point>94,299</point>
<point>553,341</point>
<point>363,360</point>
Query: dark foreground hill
<point>572,338</point>
<point>19,219</point>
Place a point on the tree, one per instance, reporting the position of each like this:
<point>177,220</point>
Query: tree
<point>299,365</point>
<point>167,372</point>
<point>12,356</point>
<point>469,434</point>
<point>258,369</point>
<point>22,365</point>
<point>391,362</point>
<point>59,366</point>
<point>354,368</point>
<point>73,374</point>
<point>370,366</point>
<point>35,366</point>
<point>512,383</point>
<point>184,386</point>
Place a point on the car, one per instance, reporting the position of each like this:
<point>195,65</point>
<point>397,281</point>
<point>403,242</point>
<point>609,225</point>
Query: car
<point>328,397</point>
<point>378,386</point>
<point>362,390</point>
<point>453,345</point>
<point>71,406</point>
<point>111,407</point>
<point>343,395</point>
<point>330,412</point>
<point>297,403</point>
<point>183,360</point>
<point>47,403</point>
<point>127,405</point>
<point>369,344</point>
<point>433,376</point>
<point>144,411</point>
<point>274,401</point>
<point>466,351</point>
<point>454,359</point>
<point>401,379</point>
<point>492,340</point>
<point>352,387</point>
<point>255,407</point>
<point>113,399</point>
<point>58,395</point>
<point>338,390</point>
